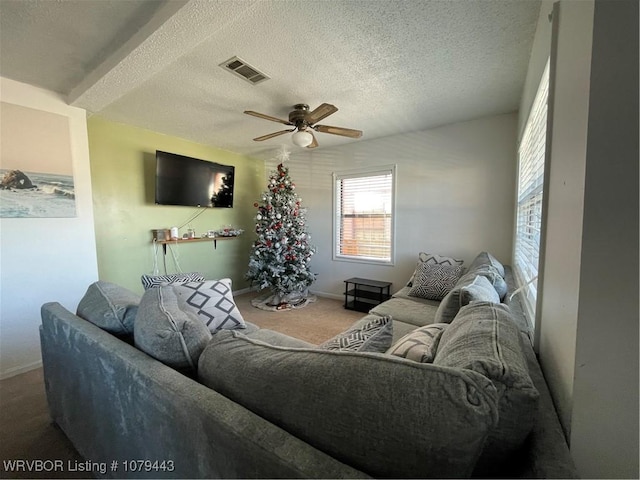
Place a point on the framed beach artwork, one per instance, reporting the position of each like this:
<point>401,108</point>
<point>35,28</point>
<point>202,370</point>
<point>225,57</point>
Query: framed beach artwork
<point>36,167</point>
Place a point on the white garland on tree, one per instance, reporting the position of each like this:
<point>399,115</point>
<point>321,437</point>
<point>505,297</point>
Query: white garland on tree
<point>281,254</point>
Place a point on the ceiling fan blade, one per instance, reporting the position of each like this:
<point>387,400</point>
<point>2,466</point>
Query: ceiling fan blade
<point>271,135</point>
<point>267,117</point>
<point>314,143</point>
<point>319,113</point>
<point>345,132</point>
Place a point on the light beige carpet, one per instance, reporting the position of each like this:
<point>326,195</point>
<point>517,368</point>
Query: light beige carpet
<point>315,323</point>
<point>27,433</point>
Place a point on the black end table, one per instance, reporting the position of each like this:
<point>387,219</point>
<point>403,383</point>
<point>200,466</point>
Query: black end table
<point>362,294</point>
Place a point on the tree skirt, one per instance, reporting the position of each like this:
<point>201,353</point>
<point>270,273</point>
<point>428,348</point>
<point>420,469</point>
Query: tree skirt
<point>274,303</point>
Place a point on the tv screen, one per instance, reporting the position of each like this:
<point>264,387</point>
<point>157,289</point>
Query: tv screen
<point>192,182</point>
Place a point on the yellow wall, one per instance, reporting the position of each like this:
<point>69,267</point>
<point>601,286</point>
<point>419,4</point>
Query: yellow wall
<point>123,181</point>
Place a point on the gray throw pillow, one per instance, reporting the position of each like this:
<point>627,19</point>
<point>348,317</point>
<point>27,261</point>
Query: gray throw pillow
<point>419,345</point>
<point>434,282</point>
<point>212,301</point>
<point>372,333</point>
<point>484,338</point>
<point>451,303</point>
<point>167,333</point>
<point>151,281</point>
<point>480,290</point>
<point>485,258</point>
<point>492,274</point>
<point>433,259</point>
<point>110,307</point>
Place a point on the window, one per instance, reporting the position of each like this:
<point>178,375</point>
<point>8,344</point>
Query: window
<point>363,215</point>
<point>531,159</point>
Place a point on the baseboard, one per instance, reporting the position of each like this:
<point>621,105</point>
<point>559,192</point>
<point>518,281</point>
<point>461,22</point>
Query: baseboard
<point>333,296</point>
<point>12,372</point>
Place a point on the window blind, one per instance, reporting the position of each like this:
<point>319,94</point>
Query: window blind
<point>364,216</point>
<point>531,160</point>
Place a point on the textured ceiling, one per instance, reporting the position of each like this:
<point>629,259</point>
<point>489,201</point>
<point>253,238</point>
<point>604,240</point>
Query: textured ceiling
<point>390,66</point>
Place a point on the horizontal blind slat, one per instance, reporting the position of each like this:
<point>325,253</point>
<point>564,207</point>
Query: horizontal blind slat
<point>531,157</point>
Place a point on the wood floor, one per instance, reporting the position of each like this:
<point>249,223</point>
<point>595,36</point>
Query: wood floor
<point>28,434</point>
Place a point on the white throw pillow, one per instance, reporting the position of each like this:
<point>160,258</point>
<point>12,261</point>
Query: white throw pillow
<point>212,301</point>
<point>420,345</point>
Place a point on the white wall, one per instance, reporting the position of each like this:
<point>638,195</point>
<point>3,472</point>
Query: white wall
<point>540,51</point>
<point>455,195</point>
<point>559,285</point>
<point>604,417</point>
<point>588,328</point>
<point>44,259</point>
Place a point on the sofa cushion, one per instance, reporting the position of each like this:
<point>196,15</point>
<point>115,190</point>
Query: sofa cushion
<point>485,339</point>
<point>384,415</point>
<point>414,310</point>
<point>277,339</point>
<point>485,258</point>
<point>151,281</point>
<point>433,259</point>
<point>371,333</point>
<point>433,282</point>
<point>400,329</point>
<point>109,306</point>
<point>212,301</point>
<point>166,332</point>
<point>479,290</point>
<point>419,345</point>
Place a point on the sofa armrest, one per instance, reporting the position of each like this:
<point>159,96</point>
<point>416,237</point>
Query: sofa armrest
<point>114,402</point>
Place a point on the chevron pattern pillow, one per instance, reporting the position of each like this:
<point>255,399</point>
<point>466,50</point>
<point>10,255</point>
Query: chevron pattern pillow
<point>151,281</point>
<point>212,302</point>
<point>419,345</point>
<point>433,282</point>
<point>433,259</point>
<point>372,333</point>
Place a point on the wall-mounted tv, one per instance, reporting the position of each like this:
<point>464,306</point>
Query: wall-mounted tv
<point>192,182</point>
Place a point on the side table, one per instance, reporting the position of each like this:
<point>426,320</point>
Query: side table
<point>362,294</point>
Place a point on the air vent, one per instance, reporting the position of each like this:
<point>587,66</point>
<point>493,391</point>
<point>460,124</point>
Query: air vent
<point>244,70</point>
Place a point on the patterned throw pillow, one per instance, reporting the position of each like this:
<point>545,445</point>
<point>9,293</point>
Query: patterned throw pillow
<point>419,345</point>
<point>433,282</point>
<point>151,281</point>
<point>372,333</point>
<point>432,259</point>
<point>212,301</point>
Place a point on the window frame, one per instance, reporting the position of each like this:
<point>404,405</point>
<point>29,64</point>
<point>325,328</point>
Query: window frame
<point>337,214</point>
<point>531,201</point>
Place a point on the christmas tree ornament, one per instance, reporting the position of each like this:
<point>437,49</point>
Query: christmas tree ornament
<point>279,261</point>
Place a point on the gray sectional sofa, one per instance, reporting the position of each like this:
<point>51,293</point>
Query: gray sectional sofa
<point>264,405</point>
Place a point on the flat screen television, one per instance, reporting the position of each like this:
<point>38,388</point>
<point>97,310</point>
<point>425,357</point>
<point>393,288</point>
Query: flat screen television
<point>192,182</point>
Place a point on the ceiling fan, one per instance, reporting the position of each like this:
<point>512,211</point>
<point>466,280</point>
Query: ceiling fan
<point>304,122</point>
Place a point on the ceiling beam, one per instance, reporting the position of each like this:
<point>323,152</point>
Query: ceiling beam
<point>175,29</point>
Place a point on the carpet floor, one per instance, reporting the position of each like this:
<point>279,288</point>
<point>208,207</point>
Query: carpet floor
<point>27,433</point>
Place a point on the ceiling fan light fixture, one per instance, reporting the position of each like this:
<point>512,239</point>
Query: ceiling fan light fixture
<point>302,138</point>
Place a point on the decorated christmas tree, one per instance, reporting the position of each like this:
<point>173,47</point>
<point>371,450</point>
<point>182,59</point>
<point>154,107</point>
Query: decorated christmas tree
<point>281,254</point>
